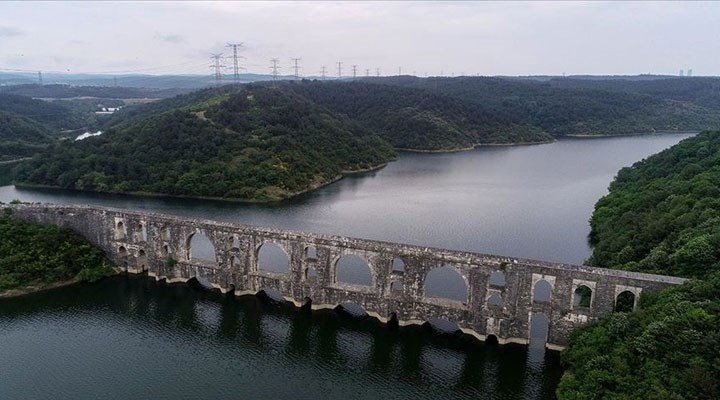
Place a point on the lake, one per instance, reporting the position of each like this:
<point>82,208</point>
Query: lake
<point>130,337</point>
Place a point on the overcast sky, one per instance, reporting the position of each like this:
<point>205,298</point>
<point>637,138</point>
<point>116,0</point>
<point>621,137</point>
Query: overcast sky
<point>424,37</point>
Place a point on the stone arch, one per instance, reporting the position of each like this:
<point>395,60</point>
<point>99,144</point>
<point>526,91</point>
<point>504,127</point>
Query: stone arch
<point>200,248</point>
<point>122,251</point>
<point>625,301</point>
<point>398,264</point>
<point>233,261</point>
<point>582,297</point>
<point>234,242</point>
<point>397,286</point>
<point>311,253</point>
<point>141,234</point>
<point>539,329</point>
<point>542,291</point>
<point>353,269</point>
<point>448,283</point>
<point>119,230</point>
<point>166,249</point>
<point>495,300</point>
<point>271,257</point>
<point>497,279</point>
<point>142,260</point>
<point>310,273</point>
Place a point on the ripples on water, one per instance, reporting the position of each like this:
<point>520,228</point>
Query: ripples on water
<point>130,337</point>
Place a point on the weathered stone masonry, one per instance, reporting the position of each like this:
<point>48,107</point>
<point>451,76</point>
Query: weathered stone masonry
<point>145,242</point>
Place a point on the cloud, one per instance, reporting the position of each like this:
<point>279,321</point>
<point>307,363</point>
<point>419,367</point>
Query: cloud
<point>9,31</point>
<point>175,39</point>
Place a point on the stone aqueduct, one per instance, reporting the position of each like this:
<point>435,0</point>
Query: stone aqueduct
<point>503,308</point>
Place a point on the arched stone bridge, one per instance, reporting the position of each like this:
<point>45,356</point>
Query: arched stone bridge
<point>503,294</point>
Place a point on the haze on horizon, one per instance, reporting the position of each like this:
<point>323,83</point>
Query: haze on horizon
<point>598,38</point>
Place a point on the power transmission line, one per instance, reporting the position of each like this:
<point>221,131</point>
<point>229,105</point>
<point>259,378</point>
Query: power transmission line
<point>354,68</point>
<point>274,67</point>
<point>367,72</point>
<point>40,77</point>
<point>218,67</point>
<point>339,65</point>
<point>323,72</point>
<point>236,67</point>
<point>296,67</point>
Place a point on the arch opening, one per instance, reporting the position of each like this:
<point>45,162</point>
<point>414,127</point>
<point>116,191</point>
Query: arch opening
<point>142,234</point>
<point>142,260</point>
<point>354,270</point>
<point>119,230</point>
<point>201,248</point>
<point>311,253</point>
<point>166,250</point>
<point>310,273</point>
<point>625,301</point>
<point>539,329</point>
<point>497,279</point>
<point>398,265</point>
<point>122,251</point>
<point>542,292</point>
<point>491,340</point>
<point>397,286</point>
<point>165,234</point>
<point>234,243</point>
<point>495,301</point>
<point>446,283</point>
<point>272,258</point>
<point>582,297</point>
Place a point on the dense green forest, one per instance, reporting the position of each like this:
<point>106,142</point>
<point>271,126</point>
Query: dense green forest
<point>32,255</point>
<point>669,349</point>
<point>662,215</point>
<point>28,125</point>
<point>256,143</point>
<point>578,110</point>
<point>703,91</point>
<point>411,118</point>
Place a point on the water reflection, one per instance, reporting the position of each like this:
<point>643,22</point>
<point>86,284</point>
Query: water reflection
<point>157,336</point>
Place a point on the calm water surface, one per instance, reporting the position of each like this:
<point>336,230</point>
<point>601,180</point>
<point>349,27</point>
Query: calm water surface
<point>134,338</point>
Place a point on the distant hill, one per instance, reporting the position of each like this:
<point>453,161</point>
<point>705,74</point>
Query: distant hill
<point>417,119</point>
<point>250,143</point>
<point>27,125</point>
<point>587,107</point>
<point>59,91</point>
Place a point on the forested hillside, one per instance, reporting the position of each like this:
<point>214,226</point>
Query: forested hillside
<point>580,110</point>
<point>32,255</point>
<point>417,119</point>
<point>702,91</point>
<point>662,215</point>
<point>256,143</point>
